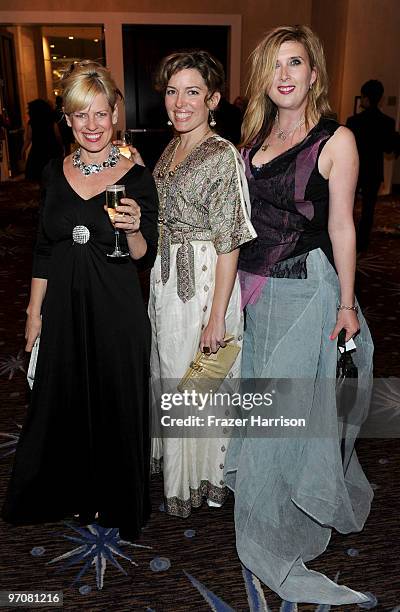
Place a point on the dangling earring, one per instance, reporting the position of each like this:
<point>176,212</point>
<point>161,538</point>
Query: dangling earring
<point>311,84</point>
<point>213,123</point>
<point>169,122</point>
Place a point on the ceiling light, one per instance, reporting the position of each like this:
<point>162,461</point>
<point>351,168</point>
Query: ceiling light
<point>54,56</point>
<point>70,38</point>
<point>52,46</point>
<point>95,40</point>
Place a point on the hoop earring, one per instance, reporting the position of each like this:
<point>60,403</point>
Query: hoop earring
<point>169,122</point>
<point>213,123</point>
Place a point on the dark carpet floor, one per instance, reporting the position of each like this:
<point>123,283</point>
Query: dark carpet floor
<point>190,564</point>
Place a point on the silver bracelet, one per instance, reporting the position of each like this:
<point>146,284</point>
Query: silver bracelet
<point>343,307</point>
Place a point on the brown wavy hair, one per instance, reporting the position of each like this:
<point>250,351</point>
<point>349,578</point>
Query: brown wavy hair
<point>208,66</point>
<point>261,111</point>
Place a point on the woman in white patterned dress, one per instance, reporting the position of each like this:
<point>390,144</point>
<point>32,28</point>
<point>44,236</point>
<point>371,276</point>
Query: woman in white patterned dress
<point>194,291</point>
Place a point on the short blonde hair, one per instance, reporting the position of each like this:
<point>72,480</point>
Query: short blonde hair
<point>261,111</point>
<point>85,80</point>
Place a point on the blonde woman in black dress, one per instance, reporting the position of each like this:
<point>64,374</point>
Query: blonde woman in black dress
<point>85,444</point>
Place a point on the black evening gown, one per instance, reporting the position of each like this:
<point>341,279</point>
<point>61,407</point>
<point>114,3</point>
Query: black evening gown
<point>85,445</point>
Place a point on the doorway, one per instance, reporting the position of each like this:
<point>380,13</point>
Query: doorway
<point>143,48</point>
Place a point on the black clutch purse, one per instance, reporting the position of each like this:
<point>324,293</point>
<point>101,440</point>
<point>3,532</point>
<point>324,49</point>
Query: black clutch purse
<point>346,379</point>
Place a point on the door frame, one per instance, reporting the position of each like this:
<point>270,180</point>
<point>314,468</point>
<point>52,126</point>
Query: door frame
<point>113,22</point>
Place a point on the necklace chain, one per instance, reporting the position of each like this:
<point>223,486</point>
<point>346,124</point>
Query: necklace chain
<point>168,174</point>
<point>87,169</point>
<point>283,134</point>
<point>169,163</point>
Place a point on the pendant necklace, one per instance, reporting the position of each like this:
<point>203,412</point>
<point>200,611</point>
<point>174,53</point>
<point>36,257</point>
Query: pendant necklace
<point>283,134</point>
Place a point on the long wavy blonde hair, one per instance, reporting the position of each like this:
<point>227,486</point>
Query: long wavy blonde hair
<point>261,111</point>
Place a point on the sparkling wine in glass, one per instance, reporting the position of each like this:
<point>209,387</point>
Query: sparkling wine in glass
<point>123,143</point>
<point>114,193</point>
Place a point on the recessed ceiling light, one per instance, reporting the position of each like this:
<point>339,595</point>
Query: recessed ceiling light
<point>70,37</point>
<point>52,46</point>
<point>54,56</point>
<point>95,40</point>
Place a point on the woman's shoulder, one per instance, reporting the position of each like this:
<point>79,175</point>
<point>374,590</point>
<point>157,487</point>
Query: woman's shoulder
<point>326,134</point>
<point>218,147</point>
<point>327,124</point>
<point>218,143</point>
<point>341,136</point>
<point>340,148</point>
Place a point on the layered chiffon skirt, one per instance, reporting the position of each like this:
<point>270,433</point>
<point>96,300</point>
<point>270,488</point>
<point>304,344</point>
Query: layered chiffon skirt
<point>290,492</point>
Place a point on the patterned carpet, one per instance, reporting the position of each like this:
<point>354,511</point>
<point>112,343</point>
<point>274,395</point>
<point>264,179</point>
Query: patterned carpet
<point>181,565</point>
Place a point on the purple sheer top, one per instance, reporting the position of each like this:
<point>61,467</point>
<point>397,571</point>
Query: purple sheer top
<point>289,211</point>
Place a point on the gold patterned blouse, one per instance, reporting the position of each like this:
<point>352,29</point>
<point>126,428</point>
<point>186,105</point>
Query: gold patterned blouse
<point>205,198</point>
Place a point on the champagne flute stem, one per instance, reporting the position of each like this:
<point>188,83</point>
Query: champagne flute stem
<point>117,247</point>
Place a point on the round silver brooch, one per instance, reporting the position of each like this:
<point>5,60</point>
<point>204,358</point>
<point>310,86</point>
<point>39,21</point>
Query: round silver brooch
<point>80,234</point>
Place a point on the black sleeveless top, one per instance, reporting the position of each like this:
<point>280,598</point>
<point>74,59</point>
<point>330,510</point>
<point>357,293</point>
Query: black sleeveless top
<point>289,206</point>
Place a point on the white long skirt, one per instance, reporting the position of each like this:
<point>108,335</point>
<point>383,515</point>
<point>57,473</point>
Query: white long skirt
<point>193,467</point>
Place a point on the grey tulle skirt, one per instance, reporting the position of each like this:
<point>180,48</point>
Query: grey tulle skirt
<point>291,491</point>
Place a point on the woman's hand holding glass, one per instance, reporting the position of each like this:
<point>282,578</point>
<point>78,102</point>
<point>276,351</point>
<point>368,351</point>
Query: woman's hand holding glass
<point>127,216</point>
<point>135,156</point>
<point>124,213</point>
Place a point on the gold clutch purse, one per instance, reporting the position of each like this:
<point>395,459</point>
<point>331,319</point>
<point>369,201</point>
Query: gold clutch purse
<point>207,372</point>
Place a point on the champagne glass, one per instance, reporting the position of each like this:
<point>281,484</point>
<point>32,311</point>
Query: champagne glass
<point>114,193</point>
<point>123,143</point>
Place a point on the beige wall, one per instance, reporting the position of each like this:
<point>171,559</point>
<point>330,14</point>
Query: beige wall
<point>257,15</point>
<point>33,66</point>
<point>260,15</point>
<point>329,21</point>
<point>361,37</point>
<point>25,45</point>
<point>47,68</point>
<point>372,51</point>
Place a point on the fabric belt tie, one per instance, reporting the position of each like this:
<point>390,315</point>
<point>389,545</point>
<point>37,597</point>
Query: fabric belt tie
<point>184,257</point>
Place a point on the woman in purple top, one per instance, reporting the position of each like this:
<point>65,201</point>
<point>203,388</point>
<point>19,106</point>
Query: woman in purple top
<point>292,486</point>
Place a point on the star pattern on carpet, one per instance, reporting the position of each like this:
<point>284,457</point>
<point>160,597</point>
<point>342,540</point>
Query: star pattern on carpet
<point>11,365</point>
<point>97,546</point>
<point>8,447</point>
